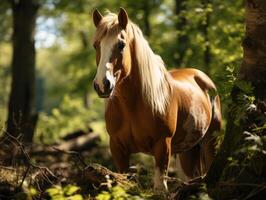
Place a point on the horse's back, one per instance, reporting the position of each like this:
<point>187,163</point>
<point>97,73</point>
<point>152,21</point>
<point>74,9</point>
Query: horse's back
<point>203,81</point>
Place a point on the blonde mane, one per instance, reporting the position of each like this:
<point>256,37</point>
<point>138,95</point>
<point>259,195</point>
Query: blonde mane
<point>155,80</point>
<point>154,77</point>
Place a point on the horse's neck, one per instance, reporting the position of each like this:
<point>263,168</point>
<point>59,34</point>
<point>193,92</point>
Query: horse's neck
<point>129,90</point>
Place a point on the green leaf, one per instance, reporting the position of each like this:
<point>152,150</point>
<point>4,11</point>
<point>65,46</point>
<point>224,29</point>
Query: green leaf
<point>70,190</point>
<point>54,191</point>
<point>75,197</point>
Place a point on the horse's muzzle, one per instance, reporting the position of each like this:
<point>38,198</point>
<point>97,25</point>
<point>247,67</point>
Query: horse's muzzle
<point>108,88</point>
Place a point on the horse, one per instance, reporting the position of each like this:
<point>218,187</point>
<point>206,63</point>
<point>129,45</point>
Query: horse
<point>149,109</point>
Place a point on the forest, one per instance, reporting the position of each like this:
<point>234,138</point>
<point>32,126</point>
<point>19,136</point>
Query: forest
<point>53,136</point>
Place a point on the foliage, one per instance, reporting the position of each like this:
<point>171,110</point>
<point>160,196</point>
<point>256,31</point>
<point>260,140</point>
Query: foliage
<point>115,193</point>
<point>5,21</point>
<point>121,193</point>
<point>253,144</point>
<point>70,116</point>
<point>244,147</point>
<point>4,80</point>
<point>68,192</point>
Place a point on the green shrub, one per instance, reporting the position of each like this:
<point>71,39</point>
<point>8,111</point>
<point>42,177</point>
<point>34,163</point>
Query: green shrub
<point>68,192</point>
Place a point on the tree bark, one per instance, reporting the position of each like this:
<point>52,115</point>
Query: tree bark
<point>252,70</point>
<point>146,18</point>
<point>205,26</point>
<point>182,39</point>
<point>21,120</point>
<point>253,67</point>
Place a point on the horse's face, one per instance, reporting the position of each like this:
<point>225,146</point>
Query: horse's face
<point>112,55</point>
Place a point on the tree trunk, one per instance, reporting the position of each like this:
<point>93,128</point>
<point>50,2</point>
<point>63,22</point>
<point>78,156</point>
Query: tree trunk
<point>205,26</point>
<point>252,70</point>
<point>253,67</point>
<point>182,39</point>
<point>21,120</point>
<point>85,43</point>
<point>146,18</point>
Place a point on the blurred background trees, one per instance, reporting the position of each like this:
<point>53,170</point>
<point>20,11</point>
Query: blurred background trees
<point>202,34</point>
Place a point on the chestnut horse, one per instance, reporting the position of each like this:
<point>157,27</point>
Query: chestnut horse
<point>149,109</point>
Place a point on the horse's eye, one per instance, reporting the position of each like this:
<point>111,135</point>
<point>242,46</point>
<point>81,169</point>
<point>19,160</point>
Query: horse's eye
<point>121,45</point>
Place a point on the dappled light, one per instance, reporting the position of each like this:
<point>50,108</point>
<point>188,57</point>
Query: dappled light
<point>97,101</point>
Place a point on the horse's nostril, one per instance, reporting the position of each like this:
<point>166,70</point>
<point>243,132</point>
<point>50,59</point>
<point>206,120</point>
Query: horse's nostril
<point>106,84</point>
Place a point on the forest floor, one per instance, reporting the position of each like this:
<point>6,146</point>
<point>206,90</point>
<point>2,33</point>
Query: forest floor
<point>70,171</point>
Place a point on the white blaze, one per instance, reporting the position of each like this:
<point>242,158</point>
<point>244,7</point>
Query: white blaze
<point>104,69</point>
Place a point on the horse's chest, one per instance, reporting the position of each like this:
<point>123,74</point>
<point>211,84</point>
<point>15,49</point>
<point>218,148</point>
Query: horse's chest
<point>133,135</point>
<point>135,131</point>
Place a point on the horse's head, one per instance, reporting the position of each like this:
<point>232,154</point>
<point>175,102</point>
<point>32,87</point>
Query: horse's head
<point>112,51</point>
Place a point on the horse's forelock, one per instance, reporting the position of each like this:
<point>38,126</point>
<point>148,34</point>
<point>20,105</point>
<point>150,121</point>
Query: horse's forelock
<point>108,27</point>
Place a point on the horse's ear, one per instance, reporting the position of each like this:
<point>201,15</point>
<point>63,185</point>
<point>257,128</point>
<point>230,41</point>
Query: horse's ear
<point>123,18</point>
<point>97,17</point>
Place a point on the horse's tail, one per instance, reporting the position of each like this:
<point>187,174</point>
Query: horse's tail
<point>216,121</point>
<point>206,84</point>
<point>207,145</point>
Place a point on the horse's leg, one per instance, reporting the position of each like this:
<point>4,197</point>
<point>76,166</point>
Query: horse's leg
<point>190,162</point>
<point>207,144</point>
<point>162,154</point>
<point>179,169</point>
<point>120,157</point>
<point>207,151</point>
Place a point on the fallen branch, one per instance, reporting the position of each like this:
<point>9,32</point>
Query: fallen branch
<point>8,168</point>
<point>72,153</point>
<point>185,190</point>
<point>28,160</point>
<point>103,177</point>
<point>80,143</point>
<point>76,134</point>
